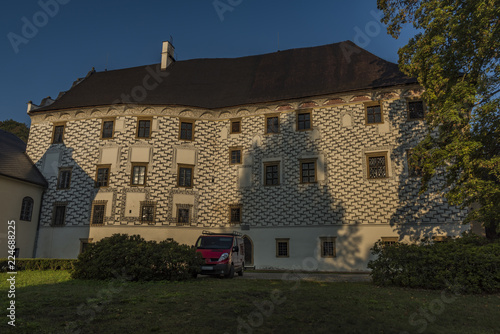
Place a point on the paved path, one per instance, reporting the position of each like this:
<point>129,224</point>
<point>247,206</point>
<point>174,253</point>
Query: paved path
<point>314,277</point>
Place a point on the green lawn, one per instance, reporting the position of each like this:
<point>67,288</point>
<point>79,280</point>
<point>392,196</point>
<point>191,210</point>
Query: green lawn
<point>51,302</point>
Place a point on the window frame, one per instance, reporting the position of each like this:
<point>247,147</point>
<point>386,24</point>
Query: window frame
<point>139,164</point>
<point>104,120</point>
<point>234,120</point>
<point>424,107</point>
<point>64,170</point>
<point>188,209</point>
<point>54,214</point>
<point>268,164</point>
<point>233,207</point>
<point>57,125</point>
<point>303,161</point>
<point>283,240</point>
<point>142,119</point>
<point>147,204</point>
<point>322,245</point>
<point>268,116</point>
<point>374,104</point>
<point>190,121</point>
<point>373,155</point>
<point>98,167</point>
<point>302,112</point>
<point>184,166</point>
<point>388,241</point>
<point>29,216</point>
<point>84,242</point>
<point>234,149</point>
<point>92,215</point>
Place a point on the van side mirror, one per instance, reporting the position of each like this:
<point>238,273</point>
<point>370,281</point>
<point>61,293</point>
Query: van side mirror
<point>235,249</point>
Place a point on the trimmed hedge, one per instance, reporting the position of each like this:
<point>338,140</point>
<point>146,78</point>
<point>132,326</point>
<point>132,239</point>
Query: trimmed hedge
<point>132,258</point>
<point>470,264</point>
<point>38,264</point>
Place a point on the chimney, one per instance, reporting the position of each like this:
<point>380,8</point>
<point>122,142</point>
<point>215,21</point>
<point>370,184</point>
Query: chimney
<point>167,55</point>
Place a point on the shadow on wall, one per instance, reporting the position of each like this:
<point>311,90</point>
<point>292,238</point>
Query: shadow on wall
<point>67,204</point>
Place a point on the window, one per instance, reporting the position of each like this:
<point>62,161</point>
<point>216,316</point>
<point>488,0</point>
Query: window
<point>235,214</point>
<point>98,212</point>
<point>59,215</point>
<point>58,135</point>
<point>272,124</point>
<point>183,216</point>
<point>304,120</point>
<point>389,241</point>
<point>236,126</point>
<point>235,155</point>
<point>85,244</point>
<point>272,174</point>
<point>107,129</point>
<point>282,247</point>
<point>308,171</point>
<point>186,130</point>
<point>102,176</point>
<point>139,172</point>
<point>26,209</point>
<point>144,128</point>
<point>328,247</point>
<point>185,176</point>
<point>148,212</point>
<point>415,110</point>
<point>413,170</point>
<point>376,165</point>
<point>373,114</point>
<point>64,178</point>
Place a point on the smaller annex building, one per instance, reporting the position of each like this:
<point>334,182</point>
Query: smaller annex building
<point>21,189</point>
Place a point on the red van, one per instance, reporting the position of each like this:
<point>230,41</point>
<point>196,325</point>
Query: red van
<point>224,253</point>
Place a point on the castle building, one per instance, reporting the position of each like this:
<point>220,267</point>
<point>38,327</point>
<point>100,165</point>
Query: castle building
<point>303,151</point>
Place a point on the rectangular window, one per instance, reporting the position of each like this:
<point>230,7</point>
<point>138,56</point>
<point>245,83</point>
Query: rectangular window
<point>26,209</point>
<point>272,174</point>
<point>415,110</point>
<point>413,170</point>
<point>236,126</point>
<point>139,173</point>
<point>85,244</point>
<point>102,176</point>
<point>148,212</point>
<point>107,129</point>
<point>374,114</point>
<point>235,214</point>
<point>308,171</point>
<point>98,213</point>
<point>272,124</point>
<point>389,241</point>
<point>59,215</point>
<point>235,155</point>
<point>282,247</point>
<point>328,247</point>
<point>144,128</point>
<point>376,165</point>
<point>58,135</point>
<point>304,120</point>
<point>183,216</point>
<point>64,178</point>
<point>186,130</point>
<point>185,176</point>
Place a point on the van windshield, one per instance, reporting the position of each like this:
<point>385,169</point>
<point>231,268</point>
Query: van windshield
<point>214,242</point>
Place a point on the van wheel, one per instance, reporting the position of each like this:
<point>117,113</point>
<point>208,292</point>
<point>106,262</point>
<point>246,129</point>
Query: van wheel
<point>230,274</point>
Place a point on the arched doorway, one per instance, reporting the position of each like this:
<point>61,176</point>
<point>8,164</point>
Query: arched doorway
<point>248,251</point>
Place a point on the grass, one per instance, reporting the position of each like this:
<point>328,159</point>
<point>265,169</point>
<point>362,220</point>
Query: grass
<point>51,302</point>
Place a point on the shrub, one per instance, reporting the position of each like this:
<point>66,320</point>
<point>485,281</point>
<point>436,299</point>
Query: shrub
<point>37,264</point>
<point>133,258</point>
<point>470,264</point>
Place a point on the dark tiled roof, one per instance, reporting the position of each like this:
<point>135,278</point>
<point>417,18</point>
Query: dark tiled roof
<point>225,82</point>
<point>15,163</point>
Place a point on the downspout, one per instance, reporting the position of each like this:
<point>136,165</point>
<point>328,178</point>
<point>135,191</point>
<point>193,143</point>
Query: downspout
<point>38,225</point>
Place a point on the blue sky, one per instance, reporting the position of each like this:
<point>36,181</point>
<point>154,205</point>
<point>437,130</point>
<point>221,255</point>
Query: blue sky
<point>47,44</point>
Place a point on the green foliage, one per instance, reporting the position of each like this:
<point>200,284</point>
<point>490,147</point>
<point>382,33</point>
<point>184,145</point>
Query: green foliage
<point>19,129</point>
<point>470,264</point>
<point>456,58</point>
<point>38,264</point>
<point>132,258</point>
